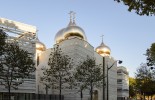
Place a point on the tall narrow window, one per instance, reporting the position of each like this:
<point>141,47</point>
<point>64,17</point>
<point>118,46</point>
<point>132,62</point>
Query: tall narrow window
<point>37,59</point>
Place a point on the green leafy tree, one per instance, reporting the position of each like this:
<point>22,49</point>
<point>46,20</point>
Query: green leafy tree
<point>58,75</point>
<point>89,74</point>
<point>141,7</point>
<point>2,44</point>
<point>145,80</point>
<point>15,65</point>
<point>150,54</point>
<point>132,87</point>
<point>45,83</point>
<point>3,36</point>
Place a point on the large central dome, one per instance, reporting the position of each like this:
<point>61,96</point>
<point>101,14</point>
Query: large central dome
<point>71,31</point>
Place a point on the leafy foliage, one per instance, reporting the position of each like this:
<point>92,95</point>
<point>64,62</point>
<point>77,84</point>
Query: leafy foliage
<point>150,53</point>
<point>2,41</point>
<point>145,76</point>
<point>132,87</point>
<point>58,75</point>
<point>89,74</point>
<point>141,7</point>
<point>15,64</point>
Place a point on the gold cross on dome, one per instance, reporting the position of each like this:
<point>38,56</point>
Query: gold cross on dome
<point>72,15</point>
<point>102,38</point>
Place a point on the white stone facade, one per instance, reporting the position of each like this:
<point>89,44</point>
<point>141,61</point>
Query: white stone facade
<point>76,48</point>
<point>122,83</point>
<point>23,34</point>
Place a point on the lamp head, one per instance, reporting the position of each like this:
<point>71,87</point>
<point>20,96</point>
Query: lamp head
<point>120,61</point>
<point>152,68</point>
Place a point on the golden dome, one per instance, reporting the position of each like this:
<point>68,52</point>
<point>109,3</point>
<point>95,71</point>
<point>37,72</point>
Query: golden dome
<point>103,50</point>
<point>74,31</point>
<point>71,31</point>
<point>59,36</point>
<point>40,46</point>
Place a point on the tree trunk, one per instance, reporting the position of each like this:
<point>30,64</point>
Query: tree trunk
<point>91,91</point>
<point>9,92</point>
<point>60,89</point>
<point>46,92</point>
<point>81,94</point>
<point>141,96</point>
<point>144,96</point>
<point>148,98</point>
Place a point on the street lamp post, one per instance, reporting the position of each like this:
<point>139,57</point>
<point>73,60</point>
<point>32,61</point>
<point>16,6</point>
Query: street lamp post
<point>103,78</point>
<point>119,61</point>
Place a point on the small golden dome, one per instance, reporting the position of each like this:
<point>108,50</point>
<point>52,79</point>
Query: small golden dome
<point>103,50</point>
<point>40,46</point>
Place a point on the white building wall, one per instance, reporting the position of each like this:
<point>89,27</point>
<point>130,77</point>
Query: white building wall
<point>99,60</point>
<point>24,35</point>
<point>78,50</point>
<point>112,73</point>
<point>122,83</point>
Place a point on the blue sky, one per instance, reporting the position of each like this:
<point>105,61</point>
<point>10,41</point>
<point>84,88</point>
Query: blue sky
<point>127,34</point>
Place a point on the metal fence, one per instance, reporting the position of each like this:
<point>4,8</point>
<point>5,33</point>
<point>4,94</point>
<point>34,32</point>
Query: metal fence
<point>31,97</point>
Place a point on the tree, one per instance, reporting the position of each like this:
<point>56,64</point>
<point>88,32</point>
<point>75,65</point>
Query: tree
<point>141,7</point>
<point>15,65</point>
<point>89,74</point>
<point>45,83</point>
<point>150,53</point>
<point>145,80</point>
<point>2,41</point>
<point>132,87</point>
<point>58,75</point>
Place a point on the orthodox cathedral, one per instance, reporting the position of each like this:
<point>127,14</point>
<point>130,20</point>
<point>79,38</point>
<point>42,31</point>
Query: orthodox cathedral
<point>73,42</point>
